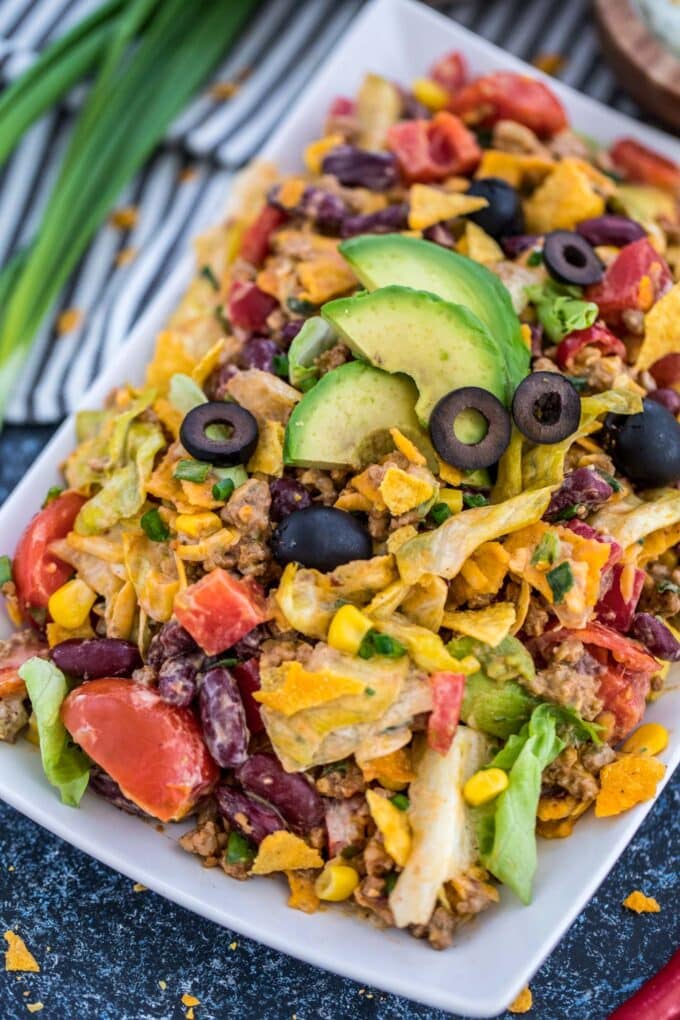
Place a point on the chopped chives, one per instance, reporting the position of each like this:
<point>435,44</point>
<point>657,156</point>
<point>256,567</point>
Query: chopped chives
<point>561,581</point>
<point>401,801</point>
<point>192,471</point>
<point>239,849</point>
<point>154,527</point>
<point>472,499</point>
<point>223,489</point>
<point>441,512</point>
<point>51,494</point>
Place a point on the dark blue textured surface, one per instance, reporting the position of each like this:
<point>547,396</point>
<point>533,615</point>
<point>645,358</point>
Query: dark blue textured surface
<point>103,947</point>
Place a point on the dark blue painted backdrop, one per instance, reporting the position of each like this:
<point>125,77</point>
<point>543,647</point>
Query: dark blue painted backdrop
<point>104,948</point>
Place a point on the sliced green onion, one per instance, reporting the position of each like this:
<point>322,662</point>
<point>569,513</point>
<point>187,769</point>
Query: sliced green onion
<point>471,499</point>
<point>51,494</point>
<point>441,512</point>
<point>547,549</point>
<point>535,258</point>
<point>192,471</point>
<point>561,581</point>
<point>154,527</point>
<point>239,849</point>
<point>5,569</point>
<point>208,274</point>
<point>381,644</point>
<point>401,801</point>
<point>280,365</point>
<point>390,881</point>
<point>223,489</point>
<point>300,307</point>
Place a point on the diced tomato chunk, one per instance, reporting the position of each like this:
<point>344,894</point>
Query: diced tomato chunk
<point>220,609</point>
<point>14,653</point>
<point>37,572</point>
<point>617,607</point>
<point>644,165</point>
<point>624,693</point>
<point>447,697</point>
<point>666,371</point>
<point>247,676</point>
<point>249,307</point>
<point>636,278</point>
<point>450,71</point>
<point>153,750</point>
<point>342,106</point>
<point>594,336</point>
<point>256,239</point>
<point>505,95</point>
<point>430,150</point>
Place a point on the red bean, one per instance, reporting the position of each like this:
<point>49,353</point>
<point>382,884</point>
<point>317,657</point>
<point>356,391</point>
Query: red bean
<point>252,817</point>
<point>223,719</point>
<point>88,658</point>
<point>666,371</point>
<point>610,229</point>
<point>290,793</point>
<point>670,399</point>
<point>247,676</point>
<point>177,679</point>
<point>172,639</point>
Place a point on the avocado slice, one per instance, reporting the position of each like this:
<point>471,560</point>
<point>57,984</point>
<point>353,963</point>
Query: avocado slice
<point>379,260</point>
<point>315,337</point>
<point>442,346</point>
<point>344,420</point>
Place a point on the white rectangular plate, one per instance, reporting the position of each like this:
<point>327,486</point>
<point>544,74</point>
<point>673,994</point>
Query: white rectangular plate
<point>494,956</point>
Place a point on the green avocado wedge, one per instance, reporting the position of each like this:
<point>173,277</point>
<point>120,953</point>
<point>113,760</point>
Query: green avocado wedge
<point>380,260</point>
<point>344,420</point>
<point>442,346</point>
<point>315,337</point>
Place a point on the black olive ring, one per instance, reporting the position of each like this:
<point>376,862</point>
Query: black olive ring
<point>546,407</point>
<point>570,259</point>
<point>236,449</point>
<point>470,456</point>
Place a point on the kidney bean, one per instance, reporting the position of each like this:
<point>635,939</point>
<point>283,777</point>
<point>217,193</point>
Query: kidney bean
<point>249,815</point>
<point>615,608</point>
<point>670,399</point>
<point>177,679</point>
<point>290,793</point>
<point>223,718</point>
<point>655,636</point>
<point>536,330</point>
<point>259,353</point>
<point>326,210</point>
<point>88,658</point>
<point>610,229</point>
<point>440,234</point>
<point>384,221</point>
<point>666,371</point>
<point>103,785</point>
<point>515,244</point>
<point>247,676</point>
<point>581,487</point>
<point>287,495</point>
<point>290,330</point>
<point>249,645</point>
<point>354,167</point>
<point>171,639</point>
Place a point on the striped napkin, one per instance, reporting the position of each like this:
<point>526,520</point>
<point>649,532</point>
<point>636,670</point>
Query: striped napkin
<point>180,190</point>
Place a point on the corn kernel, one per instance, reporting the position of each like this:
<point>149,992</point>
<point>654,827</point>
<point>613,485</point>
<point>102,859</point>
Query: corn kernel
<point>484,786</point>
<point>316,151</point>
<point>198,525</point>
<point>453,499</point>
<point>70,605</point>
<point>430,94</point>
<point>650,738</point>
<point>348,629</point>
<point>336,882</point>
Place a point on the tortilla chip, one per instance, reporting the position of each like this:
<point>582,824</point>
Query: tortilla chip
<point>565,197</point>
<point>523,1002</point>
<point>491,625</point>
<point>402,491</point>
<point>479,246</point>
<point>393,825</point>
<point>428,206</point>
<point>302,893</point>
<point>425,603</point>
<point>170,356</point>
<point>512,167</point>
<point>282,851</point>
<point>641,904</point>
<point>662,330</point>
<point>268,456</point>
<point>405,446</point>
<point>302,689</point>
<point>627,782</point>
<point>17,956</point>
<point>393,771</point>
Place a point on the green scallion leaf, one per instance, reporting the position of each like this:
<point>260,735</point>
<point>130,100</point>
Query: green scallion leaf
<point>223,489</point>
<point>390,881</point>
<point>192,471</point>
<point>208,274</point>
<point>609,479</point>
<point>535,258</point>
<point>471,499</point>
<point>561,581</point>
<point>568,513</point>
<point>300,307</point>
<point>381,644</point>
<point>579,382</point>
<point>51,494</point>
<point>401,801</point>
<point>222,319</point>
<point>349,852</point>
<point>440,512</point>
<point>154,527</point>
<point>239,849</point>
<point>547,549</point>
<point>369,691</point>
<point>280,365</point>
<point>228,663</point>
<point>5,569</point>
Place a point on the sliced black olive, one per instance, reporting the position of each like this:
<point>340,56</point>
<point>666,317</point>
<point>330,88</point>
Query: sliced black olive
<point>546,407</point>
<point>454,450</point>
<point>236,437</point>
<point>645,447</point>
<point>570,259</point>
<point>320,537</point>
<point>503,216</point>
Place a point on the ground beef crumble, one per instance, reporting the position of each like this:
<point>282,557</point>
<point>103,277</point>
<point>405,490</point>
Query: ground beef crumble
<point>13,718</point>
<point>571,677</point>
<point>341,782</point>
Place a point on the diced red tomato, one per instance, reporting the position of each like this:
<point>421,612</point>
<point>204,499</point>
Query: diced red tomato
<point>153,750</point>
<point>626,651</point>
<point>430,150</point>
<point>636,278</point>
<point>624,693</point>
<point>247,676</point>
<point>342,106</point>
<point>450,71</point>
<point>256,239</point>
<point>505,95</point>
<point>616,609</point>
<point>37,572</point>
<point>644,165</point>
<point>14,653</point>
<point>447,696</point>
<point>666,371</point>
<point>220,609</point>
<point>594,336</point>
<point>249,307</point>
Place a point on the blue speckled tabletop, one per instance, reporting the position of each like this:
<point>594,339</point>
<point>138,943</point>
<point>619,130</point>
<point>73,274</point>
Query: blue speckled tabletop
<point>108,952</point>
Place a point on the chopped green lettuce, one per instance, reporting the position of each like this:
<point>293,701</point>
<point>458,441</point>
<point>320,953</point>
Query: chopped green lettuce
<point>65,765</point>
<point>560,309</point>
<point>184,393</point>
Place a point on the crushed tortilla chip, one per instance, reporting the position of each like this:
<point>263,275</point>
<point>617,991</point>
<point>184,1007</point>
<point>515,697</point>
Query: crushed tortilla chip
<point>523,1002</point>
<point>324,277</point>
<point>282,851</point>
<point>490,625</point>
<point>268,456</point>
<point>479,246</point>
<point>69,320</point>
<point>316,152</point>
<point>641,904</point>
<point>365,484</point>
<point>34,1007</point>
<point>523,600</point>
<point>428,206</point>
<point>302,894</point>
<point>513,167</point>
<point>353,502</point>
<point>627,782</point>
<point>483,573</point>
<point>565,197</point>
<point>549,63</point>
<point>393,825</point>
<point>662,330</point>
<point>405,446</point>
<point>393,771</point>
<point>17,956</point>
<point>302,689</point>
<point>190,1000</point>
<point>124,218</point>
<point>402,492</point>
<point>397,538</point>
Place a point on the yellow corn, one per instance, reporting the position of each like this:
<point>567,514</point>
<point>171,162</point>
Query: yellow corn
<point>348,629</point>
<point>198,525</point>
<point>453,499</point>
<point>336,882</point>
<point>650,738</point>
<point>316,151</point>
<point>70,605</point>
<point>393,825</point>
<point>484,786</point>
<point>430,94</point>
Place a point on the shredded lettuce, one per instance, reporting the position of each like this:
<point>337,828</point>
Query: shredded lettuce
<point>630,520</point>
<point>560,309</point>
<point>184,393</point>
<point>65,765</point>
<point>443,842</point>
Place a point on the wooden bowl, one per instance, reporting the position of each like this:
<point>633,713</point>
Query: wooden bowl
<point>642,64</point>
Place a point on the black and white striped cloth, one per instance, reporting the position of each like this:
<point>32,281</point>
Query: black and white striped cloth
<point>282,46</point>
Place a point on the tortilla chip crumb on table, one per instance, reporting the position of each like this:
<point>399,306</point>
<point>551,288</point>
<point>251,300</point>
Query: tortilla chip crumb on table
<point>138,887</point>
<point>17,956</point>
<point>190,1000</point>
<point>627,782</point>
<point>523,1002</point>
<point>282,851</point>
<point>34,1007</point>
<point>641,904</point>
